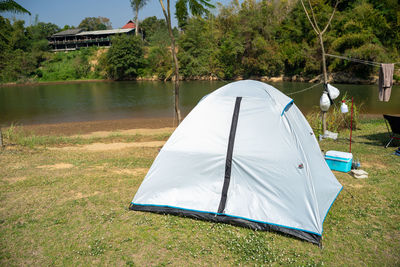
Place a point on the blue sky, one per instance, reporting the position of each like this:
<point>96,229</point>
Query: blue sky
<point>73,11</point>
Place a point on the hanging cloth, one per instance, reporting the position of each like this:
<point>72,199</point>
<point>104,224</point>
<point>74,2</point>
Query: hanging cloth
<point>385,81</point>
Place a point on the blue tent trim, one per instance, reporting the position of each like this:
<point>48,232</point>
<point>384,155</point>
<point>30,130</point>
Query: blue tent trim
<point>330,208</point>
<point>288,105</point>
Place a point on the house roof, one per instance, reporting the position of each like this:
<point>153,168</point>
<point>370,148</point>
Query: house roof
<point>113,31</point>
<point>67,32</point>
<point>129,25</point>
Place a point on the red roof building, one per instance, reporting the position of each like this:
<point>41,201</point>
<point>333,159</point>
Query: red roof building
<point>129,25</point>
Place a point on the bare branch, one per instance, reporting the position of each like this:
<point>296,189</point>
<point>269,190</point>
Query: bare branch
<point>309,19</point>
<point>313,15</point>
<point>330,19</point>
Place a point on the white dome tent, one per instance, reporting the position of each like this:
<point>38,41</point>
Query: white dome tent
<point>244,155</point>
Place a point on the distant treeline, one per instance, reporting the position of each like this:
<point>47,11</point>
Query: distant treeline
<point>255,38</point>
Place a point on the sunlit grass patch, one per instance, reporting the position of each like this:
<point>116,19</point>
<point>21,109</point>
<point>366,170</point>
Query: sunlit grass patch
<point>14,135</point>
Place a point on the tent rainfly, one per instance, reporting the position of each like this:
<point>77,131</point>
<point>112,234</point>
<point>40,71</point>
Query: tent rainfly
<point>244,155</point>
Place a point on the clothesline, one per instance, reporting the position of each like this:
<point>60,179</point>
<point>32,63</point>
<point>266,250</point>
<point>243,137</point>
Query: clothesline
<point>366,62</point>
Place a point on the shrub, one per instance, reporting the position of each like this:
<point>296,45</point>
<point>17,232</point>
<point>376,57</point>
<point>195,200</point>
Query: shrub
<point>336,121</point>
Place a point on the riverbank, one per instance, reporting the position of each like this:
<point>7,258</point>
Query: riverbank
<point>65,202</point>
<point>87,127</point>
<point>33,82</point>
<point>339,78</point>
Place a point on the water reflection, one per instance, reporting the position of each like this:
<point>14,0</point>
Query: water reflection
<point>85,101</point>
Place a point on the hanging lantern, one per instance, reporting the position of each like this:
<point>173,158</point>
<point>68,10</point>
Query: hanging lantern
<point>344,108</point>
<point>332,91</point>
<point>324,102</point>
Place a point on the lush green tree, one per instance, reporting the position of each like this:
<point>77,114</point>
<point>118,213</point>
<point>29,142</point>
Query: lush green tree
<point>136,6</point>
<point>16,62</point>
<point>42,30</point>
<point>95,24</point>
<point>159,60</point>
<point>18,38</point>
<point>151,25</point>
<point>5,32</point>
<point>67,27</point>
<point>361,32</point>
<point>298,46</point>
<point>197,49</point>
<point>38,33</point>
<point>124,59</point>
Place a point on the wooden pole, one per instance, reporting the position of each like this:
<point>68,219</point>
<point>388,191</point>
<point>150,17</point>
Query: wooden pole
<point>167,15</point>
<point>1,140</point>
<point>325,79</point>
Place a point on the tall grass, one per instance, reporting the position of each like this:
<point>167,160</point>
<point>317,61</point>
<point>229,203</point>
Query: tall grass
<point>15,136</point>
<point>336,121</point>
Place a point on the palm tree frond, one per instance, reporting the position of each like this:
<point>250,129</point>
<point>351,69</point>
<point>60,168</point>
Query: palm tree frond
<point>12,6</point>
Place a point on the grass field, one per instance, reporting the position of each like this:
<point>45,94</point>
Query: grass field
<point>64,201</point>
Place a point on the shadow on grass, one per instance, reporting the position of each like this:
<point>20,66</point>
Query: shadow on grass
<point>380,139</point>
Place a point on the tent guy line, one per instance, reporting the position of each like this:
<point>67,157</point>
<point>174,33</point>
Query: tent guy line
<point>306,89</point>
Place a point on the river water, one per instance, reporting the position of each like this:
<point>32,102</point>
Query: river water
<point>87,101</point>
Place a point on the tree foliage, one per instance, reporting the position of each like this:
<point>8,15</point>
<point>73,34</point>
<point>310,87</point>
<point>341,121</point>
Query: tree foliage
<point>151,25</point>
<point>124,59</point>
<point>195,7</point>
<point>251,38</point>
<point>272,38</point>
<point>159,60</point>
<point>24,54</point>
<point>95,24</point>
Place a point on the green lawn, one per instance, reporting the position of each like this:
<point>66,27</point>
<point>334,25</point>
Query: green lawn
<point>70,207</point>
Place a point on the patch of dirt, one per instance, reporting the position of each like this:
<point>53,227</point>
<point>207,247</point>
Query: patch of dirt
<point>94,61</point>
<point>127,132</point>
<point>12,180</point>
<point>17,165</point>
<point>101,167</point>
<point>79,195</point>
<point>57,166</point>
<point>111,146</point>
<point>373,165</point>
<point>137,171</point>
<point>356,185</point>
